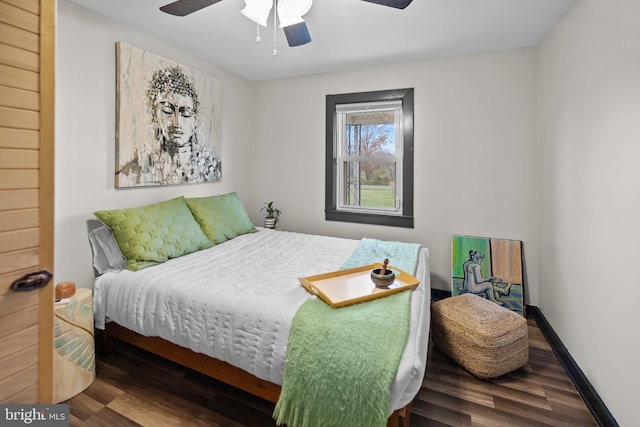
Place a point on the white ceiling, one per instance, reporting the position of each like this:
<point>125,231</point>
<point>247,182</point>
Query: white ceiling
<point>346,34</point>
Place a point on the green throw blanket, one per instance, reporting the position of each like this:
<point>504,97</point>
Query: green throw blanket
<point>341,362</point>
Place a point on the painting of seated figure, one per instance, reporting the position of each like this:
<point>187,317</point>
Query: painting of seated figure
<point>490,268</point>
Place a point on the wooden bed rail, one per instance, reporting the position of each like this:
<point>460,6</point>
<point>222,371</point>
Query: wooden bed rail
<point>213,368</point>
<point>199,362</point>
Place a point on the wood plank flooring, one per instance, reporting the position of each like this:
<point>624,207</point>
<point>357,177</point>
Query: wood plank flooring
<point>136,388</point>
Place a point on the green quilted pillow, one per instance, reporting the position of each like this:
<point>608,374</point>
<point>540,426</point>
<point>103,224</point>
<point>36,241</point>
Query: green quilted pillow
<point>221,217</point>
<point>150,235</point>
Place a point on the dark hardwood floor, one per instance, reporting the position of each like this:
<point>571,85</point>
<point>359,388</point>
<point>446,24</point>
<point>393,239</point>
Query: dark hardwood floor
<point>134,388</point>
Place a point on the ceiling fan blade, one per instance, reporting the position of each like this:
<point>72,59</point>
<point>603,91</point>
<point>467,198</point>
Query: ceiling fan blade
<point>398,4</point>
<point>185,7</point>
<point>297,34</point>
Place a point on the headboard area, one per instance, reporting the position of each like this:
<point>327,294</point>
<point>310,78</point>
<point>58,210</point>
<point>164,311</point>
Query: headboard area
<point>143,236</point>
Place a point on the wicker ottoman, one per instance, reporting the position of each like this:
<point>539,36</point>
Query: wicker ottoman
<point>481,336</point>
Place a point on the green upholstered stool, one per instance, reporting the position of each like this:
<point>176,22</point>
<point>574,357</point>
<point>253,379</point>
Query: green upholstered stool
<point>481,336</point>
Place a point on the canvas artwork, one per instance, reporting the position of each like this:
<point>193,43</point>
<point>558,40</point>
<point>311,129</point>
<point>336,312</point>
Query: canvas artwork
<point>490,268</point>
<point>169,120</point>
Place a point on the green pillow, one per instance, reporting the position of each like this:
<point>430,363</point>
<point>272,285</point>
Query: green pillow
<point>221,217</point>
<point>150,235</point>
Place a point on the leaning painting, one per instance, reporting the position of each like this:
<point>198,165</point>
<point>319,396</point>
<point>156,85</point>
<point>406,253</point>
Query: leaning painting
<point>490,268</point>
<point>168,121</point>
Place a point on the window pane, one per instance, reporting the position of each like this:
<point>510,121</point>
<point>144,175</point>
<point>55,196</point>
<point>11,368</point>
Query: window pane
<point>369,185</point>
<point>370,134</point>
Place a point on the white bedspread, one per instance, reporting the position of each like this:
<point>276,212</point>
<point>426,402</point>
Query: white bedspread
<point>236,302</point>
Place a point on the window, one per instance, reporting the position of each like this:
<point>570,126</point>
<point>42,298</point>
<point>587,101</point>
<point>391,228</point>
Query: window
<point>369,158</point>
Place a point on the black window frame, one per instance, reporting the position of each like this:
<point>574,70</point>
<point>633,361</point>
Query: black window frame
<point>332,213</point>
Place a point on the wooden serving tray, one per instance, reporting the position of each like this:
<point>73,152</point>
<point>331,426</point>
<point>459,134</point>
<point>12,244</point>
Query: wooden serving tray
<point>354,285</point>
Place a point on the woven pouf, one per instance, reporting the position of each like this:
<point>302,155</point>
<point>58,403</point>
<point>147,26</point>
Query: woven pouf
<point>481,336</point>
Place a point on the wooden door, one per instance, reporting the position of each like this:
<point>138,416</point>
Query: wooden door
<point>26,197</point>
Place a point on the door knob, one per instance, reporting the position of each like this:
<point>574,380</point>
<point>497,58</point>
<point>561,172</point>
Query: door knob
<point>32,281</point>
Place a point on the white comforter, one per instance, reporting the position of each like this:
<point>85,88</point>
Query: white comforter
<point>236,302</point>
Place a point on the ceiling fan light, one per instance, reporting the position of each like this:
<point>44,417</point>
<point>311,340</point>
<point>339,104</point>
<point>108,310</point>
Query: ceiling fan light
<point>257,10</point>
<point>288,21</point>
<point>290,11</point>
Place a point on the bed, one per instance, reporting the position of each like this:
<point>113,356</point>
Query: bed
<point>226,310</point>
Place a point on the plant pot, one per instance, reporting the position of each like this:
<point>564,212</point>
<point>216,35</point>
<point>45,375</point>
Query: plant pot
<point>269,222</point>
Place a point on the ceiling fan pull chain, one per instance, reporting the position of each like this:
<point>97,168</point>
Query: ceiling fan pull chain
<point>275,29</point>
<point>258,39</point>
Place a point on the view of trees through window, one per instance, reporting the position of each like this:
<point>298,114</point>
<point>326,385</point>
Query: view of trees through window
<point>370,159</point>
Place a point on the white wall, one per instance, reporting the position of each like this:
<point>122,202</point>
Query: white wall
<point>590,122</point>
<point>476,155</point>
<point>85,133</point>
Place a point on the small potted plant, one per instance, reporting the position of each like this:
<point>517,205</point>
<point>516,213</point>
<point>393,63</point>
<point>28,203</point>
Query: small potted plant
<point>273,214</point>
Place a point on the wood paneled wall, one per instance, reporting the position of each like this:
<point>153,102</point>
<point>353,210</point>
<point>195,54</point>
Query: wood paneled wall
<point>26,197</point>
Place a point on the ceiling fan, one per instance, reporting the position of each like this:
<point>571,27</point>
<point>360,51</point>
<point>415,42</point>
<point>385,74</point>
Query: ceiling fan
<point>289,13</point>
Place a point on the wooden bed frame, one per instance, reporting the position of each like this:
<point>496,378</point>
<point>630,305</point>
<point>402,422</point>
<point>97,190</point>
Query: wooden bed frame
<point>213,368</point>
